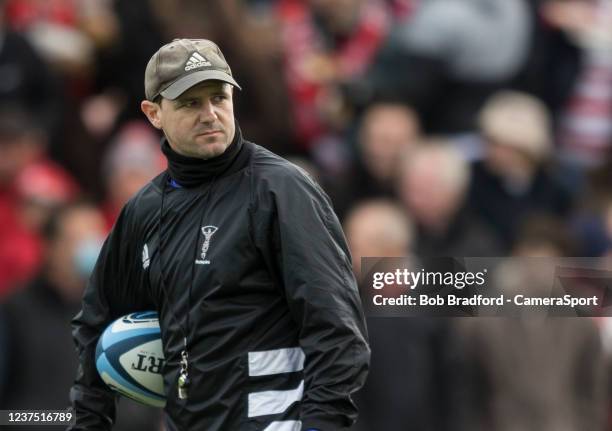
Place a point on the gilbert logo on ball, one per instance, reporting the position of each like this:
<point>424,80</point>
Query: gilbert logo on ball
<point>130,358</point>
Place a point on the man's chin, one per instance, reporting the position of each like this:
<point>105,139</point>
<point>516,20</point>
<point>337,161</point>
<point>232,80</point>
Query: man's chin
<point>210,150</point>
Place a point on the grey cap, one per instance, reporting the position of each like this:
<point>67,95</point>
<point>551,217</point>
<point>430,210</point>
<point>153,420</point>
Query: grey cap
<point>183,63</point>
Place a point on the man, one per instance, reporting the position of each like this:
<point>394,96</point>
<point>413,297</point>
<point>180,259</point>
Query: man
<point>132,160</point>
<point>421,391</point>
<point>30,186</point>
<point>437,200</point>
<point>378,227</point>
<point>242,256</point>
<point>515,179</point>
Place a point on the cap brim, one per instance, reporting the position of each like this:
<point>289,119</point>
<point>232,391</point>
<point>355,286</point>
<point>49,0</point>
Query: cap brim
<point>186,82</point>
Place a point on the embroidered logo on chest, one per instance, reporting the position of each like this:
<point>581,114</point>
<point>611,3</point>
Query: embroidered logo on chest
<point>208,232</point>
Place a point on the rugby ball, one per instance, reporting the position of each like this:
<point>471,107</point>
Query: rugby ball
<point>130,358</point>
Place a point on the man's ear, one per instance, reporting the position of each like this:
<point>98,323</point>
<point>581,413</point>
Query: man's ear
<point>153,112</point>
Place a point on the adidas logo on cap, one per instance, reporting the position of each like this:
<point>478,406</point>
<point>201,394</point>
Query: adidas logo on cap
<point>196,60</point>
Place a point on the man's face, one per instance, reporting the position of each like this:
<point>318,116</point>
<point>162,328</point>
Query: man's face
<point>429,197</point>
<point>70,252</point>
<point>387,131</point>
<point>200,122</point>
<point>15,154</point>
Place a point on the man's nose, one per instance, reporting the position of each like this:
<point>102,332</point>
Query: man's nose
<point>207,113</point>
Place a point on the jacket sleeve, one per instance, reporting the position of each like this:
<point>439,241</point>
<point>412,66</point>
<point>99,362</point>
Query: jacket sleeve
<point>313,262</point>
<point>112,291</point>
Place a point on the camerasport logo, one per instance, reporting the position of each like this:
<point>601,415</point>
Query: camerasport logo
<point>208,232</point>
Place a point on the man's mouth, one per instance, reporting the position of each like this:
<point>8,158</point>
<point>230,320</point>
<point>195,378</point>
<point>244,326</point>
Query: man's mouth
<point>209,133</point>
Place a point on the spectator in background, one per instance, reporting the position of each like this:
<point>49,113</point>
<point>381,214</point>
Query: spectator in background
<point>21,143</point>
<point>41,188</point>
<point>585,129</point>
<point>592,222</point>
<point>39,348</point>
<point>449,57</point>
<point>133,159</point>
<point>386,131</point>
<point>26,80</point>
<point>30,185</point>
<point>65,35</point>
<point>410,386</point>
<point>433,186</point>
<point>570,69</point>
<point>119,65</point>
<point>514,180</point>
<point>378,228</point>
<point>326,43</point>
<point>64,32</point>
<point>19,147</point>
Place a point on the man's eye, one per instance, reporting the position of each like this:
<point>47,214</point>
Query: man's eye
<point>219,98</point>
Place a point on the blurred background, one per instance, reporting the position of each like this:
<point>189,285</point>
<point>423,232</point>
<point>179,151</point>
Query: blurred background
<point>437,127</point>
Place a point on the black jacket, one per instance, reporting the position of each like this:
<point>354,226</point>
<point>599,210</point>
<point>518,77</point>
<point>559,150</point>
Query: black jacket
<point>275,284</point>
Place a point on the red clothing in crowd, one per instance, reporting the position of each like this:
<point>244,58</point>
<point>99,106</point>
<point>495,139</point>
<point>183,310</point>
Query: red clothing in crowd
<point>304,44</point>
<point>20,249</point>
<point>42,183</point>
<point>22,13</point>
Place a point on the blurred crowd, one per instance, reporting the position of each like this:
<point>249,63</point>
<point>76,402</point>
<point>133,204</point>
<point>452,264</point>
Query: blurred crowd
<point>437,127</point>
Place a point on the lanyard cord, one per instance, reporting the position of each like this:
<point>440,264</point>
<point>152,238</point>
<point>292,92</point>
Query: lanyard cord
<point>183,381</point>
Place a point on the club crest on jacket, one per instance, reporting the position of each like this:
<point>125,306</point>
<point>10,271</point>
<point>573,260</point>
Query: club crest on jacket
<point>208,232</point>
